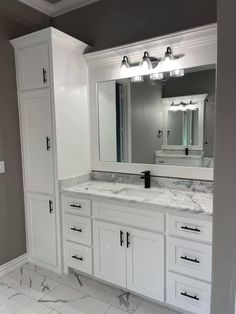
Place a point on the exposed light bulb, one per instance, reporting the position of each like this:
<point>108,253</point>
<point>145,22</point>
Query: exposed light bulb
<point>146,63</point>
<point>124,67</point>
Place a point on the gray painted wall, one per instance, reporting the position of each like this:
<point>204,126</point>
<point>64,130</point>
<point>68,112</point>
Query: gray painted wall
<point>108,23</point>
<point>224,218</point>
<point>146,110</point>
<point>15,20</point>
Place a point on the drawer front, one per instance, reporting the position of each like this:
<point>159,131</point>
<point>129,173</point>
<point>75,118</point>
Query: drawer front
<point>188,294</point>
<point>190,228</point>
<point>189,258</point>
<point>78,257</point>
<point>150,220</point>
<point>77,206</point>
<point>78,229</point>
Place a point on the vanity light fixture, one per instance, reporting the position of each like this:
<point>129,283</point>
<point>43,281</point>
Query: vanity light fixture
<point>170,63</point>
<point>137,79</point>
<point>146,63</point>
<point>124,65</point>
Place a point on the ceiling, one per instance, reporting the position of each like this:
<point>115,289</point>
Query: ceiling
<point>56,7</point>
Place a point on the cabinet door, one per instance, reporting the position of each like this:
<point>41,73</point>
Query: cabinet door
<point>33,66</point>
<point>36,125</point>
<point>145,263</point>
<point>109,253</point>
<point>42,228</point>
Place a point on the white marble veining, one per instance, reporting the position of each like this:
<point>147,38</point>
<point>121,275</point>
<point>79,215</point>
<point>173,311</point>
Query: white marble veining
<point>34,290</point>
<point>171,199</point>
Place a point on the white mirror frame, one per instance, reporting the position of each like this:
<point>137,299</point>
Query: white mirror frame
<point>200,102</point>
<point>199,47</point>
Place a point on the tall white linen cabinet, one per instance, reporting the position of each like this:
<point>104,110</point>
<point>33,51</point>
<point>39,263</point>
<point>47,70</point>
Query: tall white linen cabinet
<point>52,80</point>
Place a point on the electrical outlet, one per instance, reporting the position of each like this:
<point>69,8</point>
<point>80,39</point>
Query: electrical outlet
<point>2,167</point>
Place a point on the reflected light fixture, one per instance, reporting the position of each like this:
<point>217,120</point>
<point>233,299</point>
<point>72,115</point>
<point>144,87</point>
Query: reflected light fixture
<point>146,63</point>
<point>182,106</point>
<point>124,65</point>
<point>157,76</point>
<point>137,79</point>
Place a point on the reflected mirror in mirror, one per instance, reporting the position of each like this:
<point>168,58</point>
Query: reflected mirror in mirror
<point>169,121</point>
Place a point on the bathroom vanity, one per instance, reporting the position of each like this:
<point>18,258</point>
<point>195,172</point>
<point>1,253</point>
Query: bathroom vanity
<point>154,242</point>
<point>81,117</point>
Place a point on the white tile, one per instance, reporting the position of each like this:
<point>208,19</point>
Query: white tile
<point>60,296</point>
<point>110,295</point>
<point>151,308</point>
<point>29,283</point>
<point>87,305</point>
<point>12,302</point>
<point>115,310</point>
<point>71,280</point>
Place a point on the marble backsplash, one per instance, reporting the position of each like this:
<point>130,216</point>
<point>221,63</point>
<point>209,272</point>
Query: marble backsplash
<point>158,182</point>
<point>161,182</point>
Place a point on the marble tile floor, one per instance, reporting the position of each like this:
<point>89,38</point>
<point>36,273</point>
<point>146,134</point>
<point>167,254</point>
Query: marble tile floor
<point>34,290</point>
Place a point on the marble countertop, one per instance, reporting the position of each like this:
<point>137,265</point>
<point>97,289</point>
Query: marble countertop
<point>161,198</point>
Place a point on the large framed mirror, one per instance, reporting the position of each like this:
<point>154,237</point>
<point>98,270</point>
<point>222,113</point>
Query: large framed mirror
<point>169,121</point>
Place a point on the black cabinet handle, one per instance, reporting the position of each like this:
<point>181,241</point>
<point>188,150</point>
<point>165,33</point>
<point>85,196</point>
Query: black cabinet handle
<point>78,258</point>
<point>50,203</point>
<point>128,239</point>
<point>75,206</point>
<point>185,294</point>
<point>44,76</point>
<point>190,229</point>
<point>121,238</point>
<point>48,143</point>
<point>190,259</point>
<point>75,229</point>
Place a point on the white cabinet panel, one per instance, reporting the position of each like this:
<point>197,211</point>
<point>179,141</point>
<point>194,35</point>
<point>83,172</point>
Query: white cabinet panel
<point>188,294</point>
<point>42,228</point>
<point>109,253</point>
<point>191,228</point>
<point>189,258</point>
<point>37,141</point>
<point>33,65</point>
<point>78,257</point>
<point>145,263</point>
<point>78,229</point>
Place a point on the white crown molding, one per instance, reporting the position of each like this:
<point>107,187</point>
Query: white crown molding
<point>194,37</point>
<point>59,8</point>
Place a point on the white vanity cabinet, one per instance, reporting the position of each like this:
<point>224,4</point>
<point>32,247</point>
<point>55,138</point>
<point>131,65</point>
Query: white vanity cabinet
<point>165,256</point>
<point>52,82</point>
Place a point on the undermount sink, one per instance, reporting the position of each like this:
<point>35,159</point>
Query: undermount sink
<point>139,193</point>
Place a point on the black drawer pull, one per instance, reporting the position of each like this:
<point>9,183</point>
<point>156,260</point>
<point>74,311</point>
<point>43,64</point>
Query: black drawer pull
<point>127,239</point>
<point>121,238</point>
<point>190,259</point>
<point>190,296</point>
<point>190,229</point>
<point>75,206</point>
<point>44,76</point>
<point>78,258</point>
<point>75,229</point>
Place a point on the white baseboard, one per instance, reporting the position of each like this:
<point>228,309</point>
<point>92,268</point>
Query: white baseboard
<point>13,264</point>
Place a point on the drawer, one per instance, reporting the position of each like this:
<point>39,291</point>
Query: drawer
<point>78,257</point>
<point>188,294</point>
<point>77,206</point>
<point>190,228</point>
<point>78,229</point>
<point>137,217</point>
<point>189,258</point>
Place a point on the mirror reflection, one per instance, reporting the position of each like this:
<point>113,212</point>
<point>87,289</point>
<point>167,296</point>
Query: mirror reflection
<point>169,121</point>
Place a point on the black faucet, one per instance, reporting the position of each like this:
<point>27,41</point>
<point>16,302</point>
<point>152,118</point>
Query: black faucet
<point>147,179</point>
<point>186,151</point>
